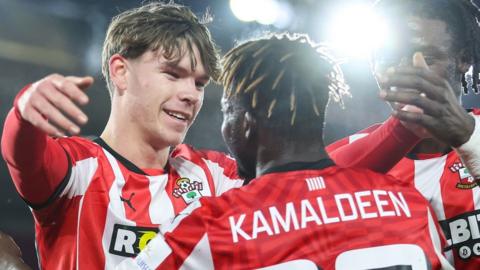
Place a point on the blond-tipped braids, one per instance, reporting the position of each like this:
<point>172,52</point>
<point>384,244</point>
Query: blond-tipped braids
<point>283,69</point>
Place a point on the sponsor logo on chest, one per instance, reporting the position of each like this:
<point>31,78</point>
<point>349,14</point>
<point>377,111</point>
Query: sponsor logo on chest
<point>128,241</point>
<point>463,234</point>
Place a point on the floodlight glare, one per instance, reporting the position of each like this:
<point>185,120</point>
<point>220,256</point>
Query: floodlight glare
<point>244,9</point>
<point>263,11</point>
<point>356,31</point>
<point>270,11</point>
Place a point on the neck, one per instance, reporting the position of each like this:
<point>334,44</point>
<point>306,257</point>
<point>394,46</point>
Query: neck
<point>129,142</point>
<point>274,155</point>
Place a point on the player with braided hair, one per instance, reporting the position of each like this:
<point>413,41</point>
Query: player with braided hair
<point>437,42</point>
<point>300,212</point>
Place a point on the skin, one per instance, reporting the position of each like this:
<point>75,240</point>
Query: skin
<point>436,88</point>
<point>256,152</point>
<point>146,91</point>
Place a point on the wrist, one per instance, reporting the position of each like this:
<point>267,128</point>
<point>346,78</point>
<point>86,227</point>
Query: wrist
<point>469,151</point>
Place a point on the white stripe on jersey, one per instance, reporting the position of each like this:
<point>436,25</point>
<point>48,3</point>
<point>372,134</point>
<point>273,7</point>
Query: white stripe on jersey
<point>188,169</point>
<point>427,180</point>
<point>116,210</point>
<point>80,205</point>
<point>201,256</point>
<point>80,177</point>
<point>222,182</point>
<point>161,208</point>
<point>355,137</point>
<point>476,197</point>
<point>437,244</point>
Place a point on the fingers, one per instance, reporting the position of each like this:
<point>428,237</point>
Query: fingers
<point>419,61</point>
<point>56,116</point>
<point>40,122</point>
<point>72,87</point>
<point>428,106</point>
<point>421,119</point>
<point>81,82</point>
<point>51,104</point>
<point>412,81</point>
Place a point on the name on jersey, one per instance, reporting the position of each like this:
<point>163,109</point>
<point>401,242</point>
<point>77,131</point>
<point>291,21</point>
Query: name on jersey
<point>128,241</point>
<point>463,234</point>
<point>318,211</point>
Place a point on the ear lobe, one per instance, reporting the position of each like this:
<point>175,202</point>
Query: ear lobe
<point>249,125</point>
<point>464,62</point>
<point>464,67</point>
<point>118,72</point>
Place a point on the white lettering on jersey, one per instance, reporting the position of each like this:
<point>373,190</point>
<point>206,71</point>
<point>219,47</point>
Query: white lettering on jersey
<point>369,203</point>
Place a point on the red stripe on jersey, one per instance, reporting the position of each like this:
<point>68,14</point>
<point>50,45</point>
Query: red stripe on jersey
<point>314,233</point>
<point>136,198</point>
<point>92,218</point>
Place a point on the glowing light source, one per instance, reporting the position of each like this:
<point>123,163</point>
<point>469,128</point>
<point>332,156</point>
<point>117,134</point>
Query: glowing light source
<point>356,30</point>
<point>262,11</point>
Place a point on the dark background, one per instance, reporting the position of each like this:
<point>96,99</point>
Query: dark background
<point>65,36</point>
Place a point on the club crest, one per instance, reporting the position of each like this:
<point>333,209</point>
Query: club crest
<point>187,189</point>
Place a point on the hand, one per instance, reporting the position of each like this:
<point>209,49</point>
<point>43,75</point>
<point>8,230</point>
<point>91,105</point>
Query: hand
<point>51,104</point>
<point>442,116</point>
<point>10,254</point>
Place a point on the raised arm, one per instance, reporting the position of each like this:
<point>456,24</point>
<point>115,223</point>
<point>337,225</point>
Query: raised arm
<point>378,149</point>
<point>36,161</point>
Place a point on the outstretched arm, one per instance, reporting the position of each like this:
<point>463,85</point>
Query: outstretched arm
<point>36,161</point>
<point>379,149</point>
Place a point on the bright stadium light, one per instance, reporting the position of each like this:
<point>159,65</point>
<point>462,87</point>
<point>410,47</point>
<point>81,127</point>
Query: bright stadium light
<point>242,9</point>
<point>356,31</point>
<point>263,11</point>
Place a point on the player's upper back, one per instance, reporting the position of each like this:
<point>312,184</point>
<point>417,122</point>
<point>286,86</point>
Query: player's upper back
<point>328,217</point>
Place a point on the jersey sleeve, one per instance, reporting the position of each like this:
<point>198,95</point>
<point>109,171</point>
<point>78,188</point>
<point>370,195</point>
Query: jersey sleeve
<point>377,148</point>
<point>469,152</point>
<point>37,163</point>
<point>224,171</point>
<point>181,244</point>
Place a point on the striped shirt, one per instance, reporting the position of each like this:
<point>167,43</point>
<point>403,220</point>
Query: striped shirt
<point>327,218</point>
<point>452,192</point>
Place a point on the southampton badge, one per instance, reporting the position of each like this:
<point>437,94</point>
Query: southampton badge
<point>187,189</point>
<point>466,180</point>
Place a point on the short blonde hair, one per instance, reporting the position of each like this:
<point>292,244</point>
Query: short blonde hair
<point>157,25</point>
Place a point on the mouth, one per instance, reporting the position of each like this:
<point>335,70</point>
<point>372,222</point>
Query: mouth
<point>182,116</point>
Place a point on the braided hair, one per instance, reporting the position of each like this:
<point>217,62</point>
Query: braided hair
<point>283,77</point>
<point>463,21</point>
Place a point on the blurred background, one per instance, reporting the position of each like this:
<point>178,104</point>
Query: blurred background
<point>39,37</point>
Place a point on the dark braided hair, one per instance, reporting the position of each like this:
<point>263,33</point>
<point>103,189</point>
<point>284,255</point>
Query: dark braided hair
<point>462,18</point>
<point>283,78</point>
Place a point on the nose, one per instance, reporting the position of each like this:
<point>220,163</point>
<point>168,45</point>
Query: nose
<point>190,93</point>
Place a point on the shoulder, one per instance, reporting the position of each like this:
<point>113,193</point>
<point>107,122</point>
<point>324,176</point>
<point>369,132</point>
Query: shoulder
<point>79,148</point>
<point>210,157</point>
<point>475,112</point>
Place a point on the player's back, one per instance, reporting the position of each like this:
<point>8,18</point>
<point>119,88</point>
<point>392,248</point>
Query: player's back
<point>323,218</point>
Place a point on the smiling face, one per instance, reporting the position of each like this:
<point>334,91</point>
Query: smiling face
<point>434,40</point>
<point>161,98</point>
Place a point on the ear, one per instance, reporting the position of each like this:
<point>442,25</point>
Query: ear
<point>249,125</point>
<point>464,62</point>
<point>118,72</point>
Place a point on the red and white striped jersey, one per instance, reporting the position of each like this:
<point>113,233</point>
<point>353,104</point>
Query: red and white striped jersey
<point>452,192</point>
<point>106,210</point>
<point>330,218</point>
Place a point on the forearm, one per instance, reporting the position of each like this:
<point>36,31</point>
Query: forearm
<point>380,150</point>
<point>469,152</point>
<point>36,162</point>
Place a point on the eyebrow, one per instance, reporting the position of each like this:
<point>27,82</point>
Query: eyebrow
<point>173,66</point>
